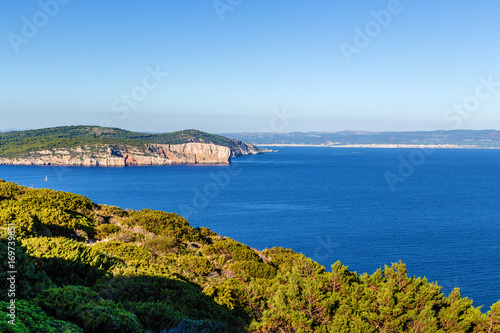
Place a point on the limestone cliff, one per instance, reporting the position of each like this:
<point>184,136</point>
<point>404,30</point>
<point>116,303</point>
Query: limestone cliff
<point>240,148</point>
<point>123,155</point>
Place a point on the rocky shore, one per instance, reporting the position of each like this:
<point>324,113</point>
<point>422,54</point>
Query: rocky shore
<point>123,155</point>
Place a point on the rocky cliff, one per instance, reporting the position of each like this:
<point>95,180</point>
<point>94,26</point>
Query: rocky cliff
<point>240,148</point>
<point>123,155</point>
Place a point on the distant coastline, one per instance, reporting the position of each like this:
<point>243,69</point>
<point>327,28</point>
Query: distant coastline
<point>452,139</point>
<point>443,146</point>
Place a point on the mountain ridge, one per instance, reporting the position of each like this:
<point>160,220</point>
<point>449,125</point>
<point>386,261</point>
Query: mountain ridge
<point>445,138</point>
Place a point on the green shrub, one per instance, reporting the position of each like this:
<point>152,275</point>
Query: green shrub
<point>194,326</point>
<point>286,259</point>
<point>30,280</point>
<point>165,224</point>
<point>64,303</point>
<point>105,316</point>
<point>235,250</point>
<point>180,296</point>
<point>155,316</point>
<point>68,262</point>
<point>112,211</point>
<point>10,190</point>
<point>124,251</point>
<point>198,265</point>
<point>35,215</point>
<point>104,230</point>
<point>26,223</point>
<point>206,232</point>
<point>253,269</point>
<point>70,201</point>
<point>127,236</point>
<point>30,318</point>
<point>161,244</point>
<point>84,307</point>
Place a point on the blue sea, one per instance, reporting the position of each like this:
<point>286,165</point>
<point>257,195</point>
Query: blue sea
<point>438,211</point>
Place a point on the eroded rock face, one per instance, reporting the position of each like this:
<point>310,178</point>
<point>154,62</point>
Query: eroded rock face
<point>243,148</point>
<point>114,155</point>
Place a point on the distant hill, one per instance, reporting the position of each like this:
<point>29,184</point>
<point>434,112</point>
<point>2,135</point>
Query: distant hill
<point>462,138</point>
<point>94,145</point>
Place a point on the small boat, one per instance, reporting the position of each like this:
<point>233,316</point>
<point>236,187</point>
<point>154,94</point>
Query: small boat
<point>45,178</point>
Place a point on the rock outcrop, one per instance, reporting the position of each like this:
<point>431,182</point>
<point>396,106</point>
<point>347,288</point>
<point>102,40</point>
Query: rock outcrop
<point>122,155</point>
<point>242,148</point>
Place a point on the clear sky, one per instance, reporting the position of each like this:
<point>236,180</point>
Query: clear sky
<point>234,65</point>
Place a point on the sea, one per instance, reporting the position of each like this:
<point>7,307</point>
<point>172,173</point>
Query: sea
<point>437,211</point>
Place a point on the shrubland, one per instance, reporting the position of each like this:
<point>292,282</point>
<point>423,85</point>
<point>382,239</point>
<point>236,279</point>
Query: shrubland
<point>85,267</point>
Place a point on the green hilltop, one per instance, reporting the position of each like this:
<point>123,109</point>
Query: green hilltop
<point>19,143</point>
<point>84,267</point>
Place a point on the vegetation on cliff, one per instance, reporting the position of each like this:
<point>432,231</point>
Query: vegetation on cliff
<point>85,267</point>
<point>20,143</point>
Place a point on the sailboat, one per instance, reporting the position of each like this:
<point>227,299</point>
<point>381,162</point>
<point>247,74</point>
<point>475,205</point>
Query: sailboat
<point>45,178</point>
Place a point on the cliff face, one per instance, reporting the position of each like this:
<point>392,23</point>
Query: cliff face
<point>242,148</point>
<point>116,155</point>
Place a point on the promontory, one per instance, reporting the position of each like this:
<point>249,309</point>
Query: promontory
<point>103,146</point>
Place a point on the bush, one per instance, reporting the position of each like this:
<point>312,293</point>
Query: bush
<point>64,303</point>
<point>10,190</point>
<point>68,262</point>
<point>30,280</point>
<point>165,224</point>
<point>124,251</point>
<point>128,236</point>
<point>34,214</point>
<point>235,250</point>
<point>30,318</point>
<point>198,265</point>
<point>105,316</point>
<point>253,269</point>
<point>180,296</point>
<point>70,201</point>
<point>194,326</point>
<point>155,316</point>
<point>112,211</point>
<point>26,223</point>
<point>84,307</point>
<point>104,230</point>
<point>161,244</point>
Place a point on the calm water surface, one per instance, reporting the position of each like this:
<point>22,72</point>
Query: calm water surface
<point>442,219</point>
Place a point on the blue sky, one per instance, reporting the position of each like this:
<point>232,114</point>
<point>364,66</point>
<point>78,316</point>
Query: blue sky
<point>234,67</point>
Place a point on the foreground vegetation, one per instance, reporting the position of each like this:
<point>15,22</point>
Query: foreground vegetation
<point>84,267</point>
<point>20,143</point>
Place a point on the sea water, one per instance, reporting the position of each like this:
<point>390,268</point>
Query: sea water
<point>435,210</point>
